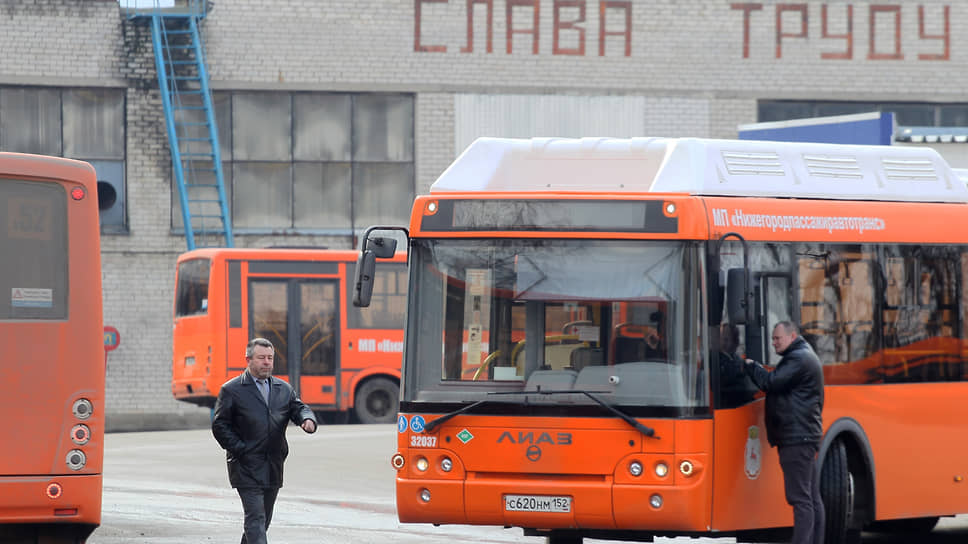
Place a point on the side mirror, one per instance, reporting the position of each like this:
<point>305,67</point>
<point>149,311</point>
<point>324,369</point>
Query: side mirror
<point>382,248</point>
<point>372,249</point>
<point>736,295</point>
<point>365,269</point>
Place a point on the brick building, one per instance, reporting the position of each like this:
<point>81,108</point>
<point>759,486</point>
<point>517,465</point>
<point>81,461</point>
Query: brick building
<point>322,103</point>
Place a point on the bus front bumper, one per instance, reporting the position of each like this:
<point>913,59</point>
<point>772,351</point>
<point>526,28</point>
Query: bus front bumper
<point>593,504</point>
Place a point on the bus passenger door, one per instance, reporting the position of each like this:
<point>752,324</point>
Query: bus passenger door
<point>269,319</point>
<point>301,319</point>
<point>318,326</point>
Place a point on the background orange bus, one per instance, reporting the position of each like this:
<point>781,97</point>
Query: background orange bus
<point>342,360</point>
<point>630,429</point>
<point>52,336</point>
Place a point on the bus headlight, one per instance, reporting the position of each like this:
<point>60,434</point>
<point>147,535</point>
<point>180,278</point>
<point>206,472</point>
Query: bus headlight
<point>446,464</point>
<point>425,495</point>
<point>656,501</point>
<point>635,468</point>
<point>422,464</point>
<point>661,469</point>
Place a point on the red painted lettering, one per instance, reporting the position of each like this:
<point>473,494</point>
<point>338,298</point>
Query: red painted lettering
<point>747,8</point>
<point>848,35</point>
<point>417,46</point>
<point>872,53</point>
<point>884,20</point>
<point>945,38</point>
<point>533,31</point>
<point>569,25</point>
<point>603,7</point>
<point>559,25</point>
<point>489,4</point>
<point>780,34</point>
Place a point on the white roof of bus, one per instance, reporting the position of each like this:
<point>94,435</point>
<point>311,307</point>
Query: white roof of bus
<point>704,167</point>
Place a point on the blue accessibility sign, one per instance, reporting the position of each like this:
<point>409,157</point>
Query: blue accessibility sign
<point>417,424</point>
<point>402,424</point>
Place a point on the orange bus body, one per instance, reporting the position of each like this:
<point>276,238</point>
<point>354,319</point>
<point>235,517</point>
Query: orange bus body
<point>879,288</point>
<point>349,361</point>
<point>51,329</point>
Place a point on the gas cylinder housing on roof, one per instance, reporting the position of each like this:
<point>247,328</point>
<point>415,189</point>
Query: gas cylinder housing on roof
<point>703,167</point>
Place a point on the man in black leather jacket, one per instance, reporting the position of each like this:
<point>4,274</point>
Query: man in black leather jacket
<point>794,425</point>
<point>251,416</point>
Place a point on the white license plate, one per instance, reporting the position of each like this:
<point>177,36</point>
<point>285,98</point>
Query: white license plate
<point>537,503</point>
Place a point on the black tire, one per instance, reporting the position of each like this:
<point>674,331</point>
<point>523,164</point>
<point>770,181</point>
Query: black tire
<point>837,492</point>
<point>377,401</point>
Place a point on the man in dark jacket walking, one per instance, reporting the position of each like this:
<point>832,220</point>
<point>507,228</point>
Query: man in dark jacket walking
<point>251,416</point>
<point>794,425</point>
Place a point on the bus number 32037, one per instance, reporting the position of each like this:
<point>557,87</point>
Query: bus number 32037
<point>423,441</point>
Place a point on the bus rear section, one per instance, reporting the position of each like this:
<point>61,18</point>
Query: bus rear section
<point>342,361</point>
<point>51,329</point>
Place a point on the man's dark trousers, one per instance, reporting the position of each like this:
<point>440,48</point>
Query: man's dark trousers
<point>257,503</point>
<point>802,488</point>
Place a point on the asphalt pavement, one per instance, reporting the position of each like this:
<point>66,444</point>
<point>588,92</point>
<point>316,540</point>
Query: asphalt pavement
<point>171,487</point>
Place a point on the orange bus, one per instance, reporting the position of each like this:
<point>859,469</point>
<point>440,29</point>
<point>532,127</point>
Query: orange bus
<point>52,336</point>
<point>622,261</point>
<point>342,360</point>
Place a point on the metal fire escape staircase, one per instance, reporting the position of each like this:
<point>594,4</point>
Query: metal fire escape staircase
<point>190,120</point>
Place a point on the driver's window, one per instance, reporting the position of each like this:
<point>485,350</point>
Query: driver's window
<point>638,332</point>
<point>572,336</point>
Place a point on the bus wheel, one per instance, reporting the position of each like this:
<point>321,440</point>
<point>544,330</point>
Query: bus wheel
<point>837,492</point>
<point>377,401</point>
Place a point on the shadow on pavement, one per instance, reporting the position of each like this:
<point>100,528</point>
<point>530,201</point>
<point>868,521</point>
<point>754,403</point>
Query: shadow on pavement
<point>938,536</point>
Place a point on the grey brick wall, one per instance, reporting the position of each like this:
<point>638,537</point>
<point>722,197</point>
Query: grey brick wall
<point>687,60</point>
<point>684,46</point>
<point>59,40</point>
<point>434,137</point>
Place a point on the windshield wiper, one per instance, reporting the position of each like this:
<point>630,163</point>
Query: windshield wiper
<point>647,431</point>
<point>429,427</point>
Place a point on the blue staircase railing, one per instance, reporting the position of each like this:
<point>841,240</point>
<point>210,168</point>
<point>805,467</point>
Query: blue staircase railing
<point>189,119</point>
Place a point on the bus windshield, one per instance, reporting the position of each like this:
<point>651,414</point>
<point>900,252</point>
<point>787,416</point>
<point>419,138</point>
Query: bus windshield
<point>617,318</point>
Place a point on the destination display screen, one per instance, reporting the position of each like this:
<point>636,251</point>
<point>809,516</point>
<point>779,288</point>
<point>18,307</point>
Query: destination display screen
<point>550,215</point>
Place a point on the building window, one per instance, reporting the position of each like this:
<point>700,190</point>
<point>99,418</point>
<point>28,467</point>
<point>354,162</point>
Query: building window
<point>907,114</point>
<point>78,123</point>
<point>315,163</point>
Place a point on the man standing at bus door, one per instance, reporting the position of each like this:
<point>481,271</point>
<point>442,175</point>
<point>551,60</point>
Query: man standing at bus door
<point>794,425</point>
<point>251,416</point>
